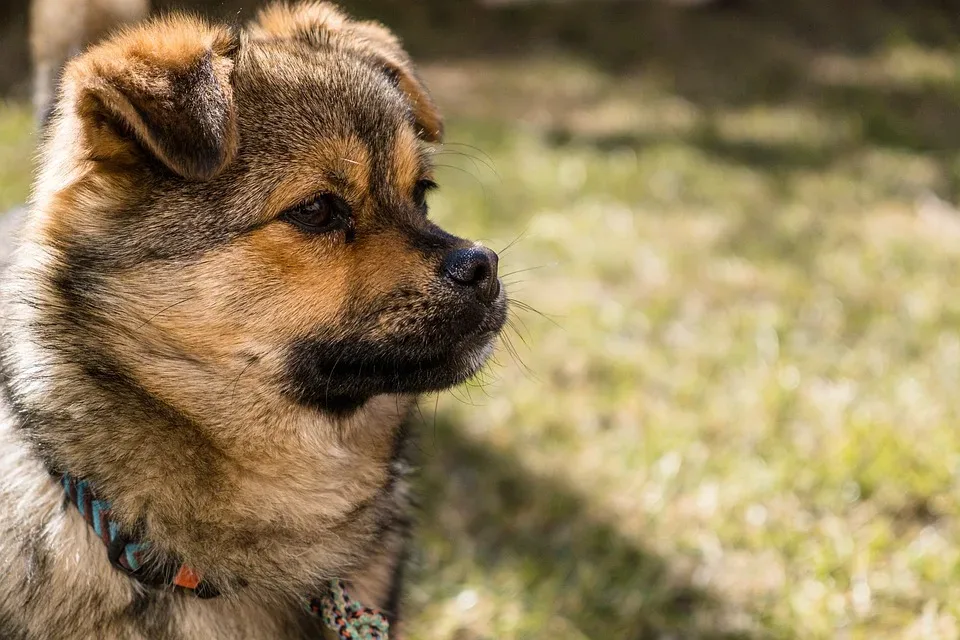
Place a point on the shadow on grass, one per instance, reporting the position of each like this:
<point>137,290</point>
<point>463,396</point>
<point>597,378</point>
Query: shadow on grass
<point>758,155</point>
<point>486,505</point>
<point>711,52</point>
<point>758,53</point>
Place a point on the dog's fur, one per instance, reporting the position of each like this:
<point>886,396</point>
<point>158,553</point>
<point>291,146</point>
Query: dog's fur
<point>236,386</point>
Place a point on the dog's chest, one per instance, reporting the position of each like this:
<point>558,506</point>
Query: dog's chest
<point>223,618</point>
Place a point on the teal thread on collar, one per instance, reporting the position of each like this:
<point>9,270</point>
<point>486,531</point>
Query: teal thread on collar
<point>338,611</point>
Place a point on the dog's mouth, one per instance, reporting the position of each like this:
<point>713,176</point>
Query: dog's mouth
<point>338,375</point>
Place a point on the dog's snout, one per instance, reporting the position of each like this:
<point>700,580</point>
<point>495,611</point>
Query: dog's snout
<point>475,267</point>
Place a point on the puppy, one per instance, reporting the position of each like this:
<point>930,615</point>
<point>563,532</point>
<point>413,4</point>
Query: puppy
<point>226,297</point>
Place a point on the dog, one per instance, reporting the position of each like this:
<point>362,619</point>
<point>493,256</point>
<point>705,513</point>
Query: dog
<point>225,298</point>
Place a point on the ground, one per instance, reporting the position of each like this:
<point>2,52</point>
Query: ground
<point>735,414</point>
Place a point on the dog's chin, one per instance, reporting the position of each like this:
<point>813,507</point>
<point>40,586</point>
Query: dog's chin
<point>341,377</point>
<point>460,368</point>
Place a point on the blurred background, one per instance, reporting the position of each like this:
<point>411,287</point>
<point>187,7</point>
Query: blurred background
<point>727,404</point>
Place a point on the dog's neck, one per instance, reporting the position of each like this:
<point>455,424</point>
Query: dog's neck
<point>290,497</point>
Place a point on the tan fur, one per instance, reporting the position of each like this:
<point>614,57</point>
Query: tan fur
<point>163,314</point>
<point>405,162</point>
<point>371,38</point>
<point>349,167</point>
<point>139,79</point>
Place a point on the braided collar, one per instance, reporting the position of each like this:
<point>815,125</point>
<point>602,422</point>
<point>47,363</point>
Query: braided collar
<point>340,613</point>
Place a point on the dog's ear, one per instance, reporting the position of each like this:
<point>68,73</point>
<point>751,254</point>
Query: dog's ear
<point>323,25</point>
<point>384,44</point>
<point>163,87</point>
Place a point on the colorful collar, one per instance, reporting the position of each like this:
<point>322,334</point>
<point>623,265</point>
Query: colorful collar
<point>348,618</point>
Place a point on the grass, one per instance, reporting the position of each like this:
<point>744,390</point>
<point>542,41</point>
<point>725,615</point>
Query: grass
<point>17,147</point>
<point>738,418</point>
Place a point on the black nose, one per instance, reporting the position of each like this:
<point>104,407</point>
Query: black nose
<point>475,267</point>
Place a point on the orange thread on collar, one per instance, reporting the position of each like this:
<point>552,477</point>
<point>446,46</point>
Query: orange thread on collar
<point>187,578</point>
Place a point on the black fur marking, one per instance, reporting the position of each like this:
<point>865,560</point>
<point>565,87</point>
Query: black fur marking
<point>10,629</point>
<point>393,75</point>
<point>392,604</point>
<point>306,625</point>
<point>151,613</point>
<point>339,376</point>
<point>406,342</point>
<point>401,525</point>
<point>380,135</point>
<point>37,560</point>
<point>193,135</point>
<point>401,440</point>
<point>140,237</point>
<point>433,242</point>
<point>31,422</point>
<point>342,405</point>
<point>79,279</point>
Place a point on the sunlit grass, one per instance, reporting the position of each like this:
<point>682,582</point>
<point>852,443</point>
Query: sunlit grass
<point>17,146</point>
<point>741,420</point>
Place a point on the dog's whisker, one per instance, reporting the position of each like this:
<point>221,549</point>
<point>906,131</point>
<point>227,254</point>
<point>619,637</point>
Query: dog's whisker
<point>469,146</point>
<point>418,442</point>
<point>436,407</point>
<point>326,391</point>
<point>523,306</point>
<point>483,187</point>
<point>455,396</point>
<point>481,384</point>
<point>536,268</point>
<point>517,331</point>
<point>512,347</point>
<point>235,382</point>
<point>416,404</point>
<point>474,160</point>
<point>517,318</point>
<point>162,311</point>
<point>469,395</point>
<point>519,237</point>
<point>508,345</point>
<point>495,378</point>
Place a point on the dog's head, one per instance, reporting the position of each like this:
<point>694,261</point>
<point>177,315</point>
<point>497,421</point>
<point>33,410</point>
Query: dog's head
<point>255,203</point>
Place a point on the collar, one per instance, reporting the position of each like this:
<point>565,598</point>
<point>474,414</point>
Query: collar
<point>131,555</point>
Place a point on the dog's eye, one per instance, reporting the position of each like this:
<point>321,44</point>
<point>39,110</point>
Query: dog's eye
<point>325,213</point>
<point>420,191</point>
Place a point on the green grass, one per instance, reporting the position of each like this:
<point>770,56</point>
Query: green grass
<point>740,415</point>
<point>17,148</point>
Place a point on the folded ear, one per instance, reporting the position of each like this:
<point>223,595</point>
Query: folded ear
<point>381,42</point>
<point>163,87</point>
<point>323,25</point>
